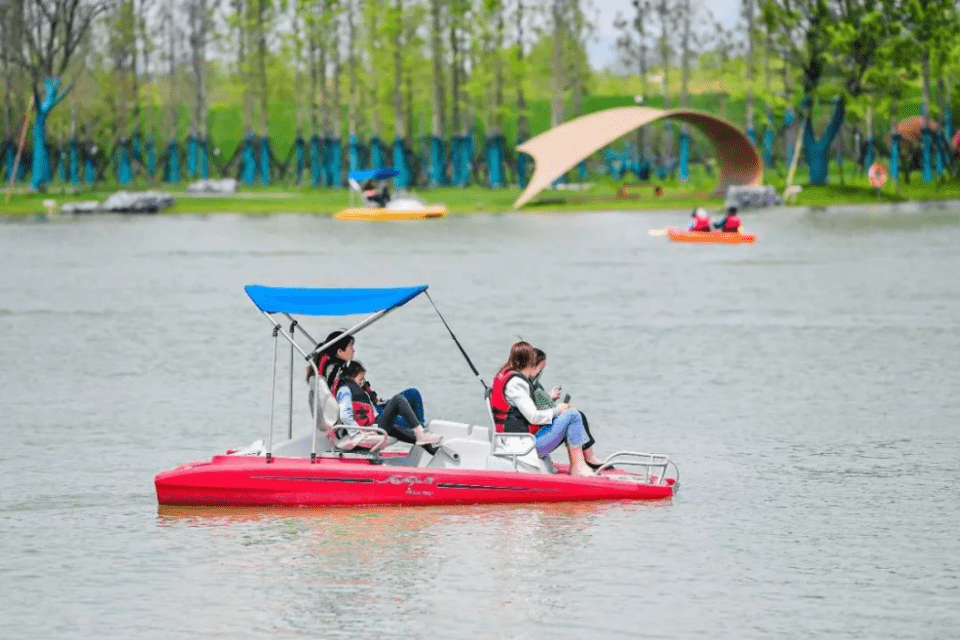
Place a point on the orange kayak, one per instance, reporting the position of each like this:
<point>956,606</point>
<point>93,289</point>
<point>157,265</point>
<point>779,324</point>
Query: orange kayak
<point>682,235</point>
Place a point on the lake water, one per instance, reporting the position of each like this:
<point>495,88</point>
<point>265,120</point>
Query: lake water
<point>807,387</point>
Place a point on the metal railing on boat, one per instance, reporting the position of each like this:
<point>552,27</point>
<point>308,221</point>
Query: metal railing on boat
<point>655,465</point>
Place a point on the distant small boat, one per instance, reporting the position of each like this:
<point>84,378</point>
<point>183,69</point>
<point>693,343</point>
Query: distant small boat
<point>381,205</point>
<point>683,235</point>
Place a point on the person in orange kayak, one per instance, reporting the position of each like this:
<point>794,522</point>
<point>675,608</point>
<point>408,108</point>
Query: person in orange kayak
<point>700,220</point>
<point>731,222</point>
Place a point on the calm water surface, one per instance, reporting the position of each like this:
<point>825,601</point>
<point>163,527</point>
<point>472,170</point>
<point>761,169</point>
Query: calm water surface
<point>807,387</point>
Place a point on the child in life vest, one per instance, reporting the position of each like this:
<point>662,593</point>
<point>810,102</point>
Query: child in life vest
<point>358,409</point>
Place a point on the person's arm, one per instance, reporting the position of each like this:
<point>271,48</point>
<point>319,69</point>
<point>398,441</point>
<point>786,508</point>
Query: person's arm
<point>517,393</point>
<point>345,400</point>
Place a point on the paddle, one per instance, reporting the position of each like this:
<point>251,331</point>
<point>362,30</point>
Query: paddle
<point>658,232</point>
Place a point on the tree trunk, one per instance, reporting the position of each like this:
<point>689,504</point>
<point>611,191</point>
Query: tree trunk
<point>398,72</point>
<point>559,81</point>
<point>262,68</point>
<point>438,125</point>
<point>748,10</point>
<point>352,62</point>
<point>523,126</point>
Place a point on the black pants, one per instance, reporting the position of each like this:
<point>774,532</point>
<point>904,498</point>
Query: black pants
<point>398,405</point>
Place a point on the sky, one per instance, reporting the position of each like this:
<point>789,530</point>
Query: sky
<point>602,49</point>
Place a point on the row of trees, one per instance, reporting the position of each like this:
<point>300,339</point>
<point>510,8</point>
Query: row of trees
<point>366,68</point>
<point>868,55</point>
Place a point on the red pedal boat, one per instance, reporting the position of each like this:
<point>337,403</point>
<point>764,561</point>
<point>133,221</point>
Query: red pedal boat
<point>473,464</point>
<point>721,237</point>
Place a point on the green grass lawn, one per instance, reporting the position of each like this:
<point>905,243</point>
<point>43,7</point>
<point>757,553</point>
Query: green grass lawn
<point>602,195</point>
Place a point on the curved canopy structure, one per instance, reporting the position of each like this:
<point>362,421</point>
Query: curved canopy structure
<point>560,149</point>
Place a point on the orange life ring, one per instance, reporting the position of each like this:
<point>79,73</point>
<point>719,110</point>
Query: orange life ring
<point>877,175</point>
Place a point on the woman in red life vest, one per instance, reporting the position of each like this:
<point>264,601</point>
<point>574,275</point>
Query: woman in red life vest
<point>700,220</point>
<point>731,222</point>
<point>546,399</point>
<point>357,409</point>
<point>515,410</point>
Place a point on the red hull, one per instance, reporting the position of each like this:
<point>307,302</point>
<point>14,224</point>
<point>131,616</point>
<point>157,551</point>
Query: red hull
<point>250,481</point>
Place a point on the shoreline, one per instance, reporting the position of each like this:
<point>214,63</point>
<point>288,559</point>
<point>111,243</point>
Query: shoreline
<point>481,200</point>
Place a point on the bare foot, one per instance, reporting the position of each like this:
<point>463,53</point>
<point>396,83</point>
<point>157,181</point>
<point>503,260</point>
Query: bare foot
<point>581,471</point>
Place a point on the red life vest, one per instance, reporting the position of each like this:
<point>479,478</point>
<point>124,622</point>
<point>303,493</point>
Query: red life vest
<point>506,417</point>
<point>701,223</point>
<point>330,368</point>
<point>363,411</point>
<point>731,223</point>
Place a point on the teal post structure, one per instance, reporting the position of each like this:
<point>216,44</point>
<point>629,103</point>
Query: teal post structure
<point>868,154</point>
<point>354,153</point>
<point>316,160</point>
<point>300,146</point>
<point>334,162</point>
<point>191,156</point>
<point>376,153</point>
<point>205,159</point>
<point>124,172</point>
<point>523,175</point>
<point>927,153</point>
<point>89,168</point>
<point>895,157</point>
<point>400,164</point>
<point>768,146</point>
<point>248,160</point>
<point>173,162</point>
<point>264,160</point>
<point>683,172</point>
<point>494,153</point>
<point>789,136</point>
<point>817,151</point>
<point>41,157</point>
<point>437,161</point>
<point>151,156</point>
<point>752,135</point>
<point>74,163</point>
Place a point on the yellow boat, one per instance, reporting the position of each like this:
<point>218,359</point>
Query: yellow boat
<point>402,206</point>
<point>371,214</point>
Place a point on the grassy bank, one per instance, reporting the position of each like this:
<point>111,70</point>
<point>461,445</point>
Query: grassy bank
<point>601,195</point>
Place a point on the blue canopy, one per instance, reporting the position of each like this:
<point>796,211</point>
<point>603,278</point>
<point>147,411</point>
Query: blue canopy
<point>329,302</point>
<point>374,174</point>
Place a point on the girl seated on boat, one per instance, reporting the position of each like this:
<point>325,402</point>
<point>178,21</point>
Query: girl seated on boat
<point>515,410</point>
<point>331,362</point>
<point>548,400</point>
<point>358,409</point>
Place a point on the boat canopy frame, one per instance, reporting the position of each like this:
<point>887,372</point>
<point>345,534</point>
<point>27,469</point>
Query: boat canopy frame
<point>328,302</point>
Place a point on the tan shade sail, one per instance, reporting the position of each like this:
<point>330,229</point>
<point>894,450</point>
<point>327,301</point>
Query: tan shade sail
<point>558,150</point>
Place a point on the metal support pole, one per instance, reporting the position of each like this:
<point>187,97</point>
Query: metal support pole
<point>290,406</point>
<point>273,390</point>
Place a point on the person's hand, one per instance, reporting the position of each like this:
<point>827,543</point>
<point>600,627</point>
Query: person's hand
<point>563,406</point>
<point>555,393</point>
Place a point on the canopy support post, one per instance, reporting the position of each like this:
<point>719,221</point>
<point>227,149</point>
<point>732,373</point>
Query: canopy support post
<point>293,325</point>
<point>273,390</point>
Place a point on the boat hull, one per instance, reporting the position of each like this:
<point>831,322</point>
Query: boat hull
<point>371,214</point>
<point>251,481</point>
<point>717,237</point>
